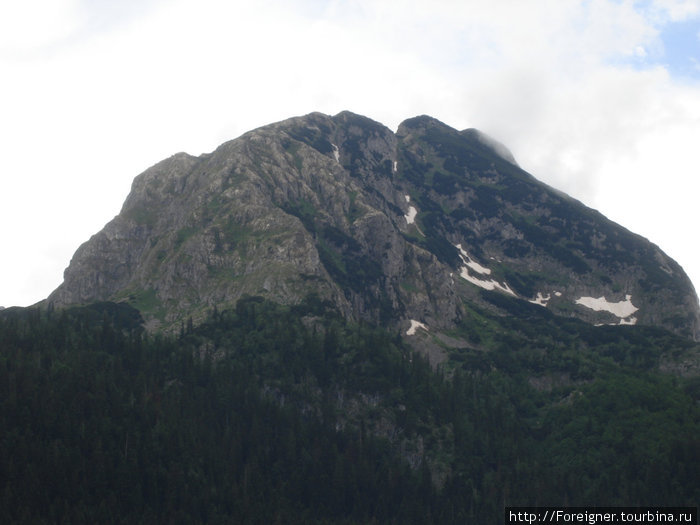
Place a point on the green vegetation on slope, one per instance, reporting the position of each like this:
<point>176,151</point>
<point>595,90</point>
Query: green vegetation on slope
<point>271,414</point>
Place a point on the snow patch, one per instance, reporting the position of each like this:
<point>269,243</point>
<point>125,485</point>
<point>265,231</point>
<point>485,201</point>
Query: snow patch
<point>621,309</point>
<point>396,166</point>
<point>412,212</point>
<point>558,294</point>
<point>336,153</point>
<point>411,216</point>
<point>541,299</point>
<point>472,264</point>
<point>414,326</point>
<point>487,285</point>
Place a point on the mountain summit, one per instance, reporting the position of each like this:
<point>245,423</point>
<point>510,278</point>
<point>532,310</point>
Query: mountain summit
<point>407,229</point>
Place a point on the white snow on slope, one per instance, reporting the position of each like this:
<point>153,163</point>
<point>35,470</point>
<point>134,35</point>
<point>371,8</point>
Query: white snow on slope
<point>541,299</point>
<point>621,309</point>
<point>414,326</point>
<point>472,264</point>
<point>487,285</point>
<point>336,153</point>
<point>411,216</point>
<point>412,212</point>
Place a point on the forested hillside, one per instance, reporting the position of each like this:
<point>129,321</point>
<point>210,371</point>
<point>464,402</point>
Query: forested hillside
<point>276,414</point>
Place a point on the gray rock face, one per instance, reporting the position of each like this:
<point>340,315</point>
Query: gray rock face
<point>390,228</point>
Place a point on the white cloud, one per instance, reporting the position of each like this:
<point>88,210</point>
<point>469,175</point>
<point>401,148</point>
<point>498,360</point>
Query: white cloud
<point>28,25</point>
<point>674,10</point>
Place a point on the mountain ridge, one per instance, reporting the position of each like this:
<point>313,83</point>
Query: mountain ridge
<point>394,228</point>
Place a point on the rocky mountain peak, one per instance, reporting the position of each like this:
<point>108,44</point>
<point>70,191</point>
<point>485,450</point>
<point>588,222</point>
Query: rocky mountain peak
<point>421,124</point>
<point>405,229</point>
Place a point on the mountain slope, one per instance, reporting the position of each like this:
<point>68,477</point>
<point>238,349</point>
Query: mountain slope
<point>405,229</point>
<point>310,403</point>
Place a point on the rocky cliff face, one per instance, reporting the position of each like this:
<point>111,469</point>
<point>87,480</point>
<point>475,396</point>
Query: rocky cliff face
<point>405,229</point>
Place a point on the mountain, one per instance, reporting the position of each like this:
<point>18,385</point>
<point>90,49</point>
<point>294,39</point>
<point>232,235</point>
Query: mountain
<point>405,229</point>
<point>323,321</point>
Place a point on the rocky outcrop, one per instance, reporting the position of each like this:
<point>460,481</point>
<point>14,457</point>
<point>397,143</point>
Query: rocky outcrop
<point>388,227</point>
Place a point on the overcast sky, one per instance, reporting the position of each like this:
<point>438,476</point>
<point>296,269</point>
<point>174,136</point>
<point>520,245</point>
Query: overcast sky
<point>599,98</point>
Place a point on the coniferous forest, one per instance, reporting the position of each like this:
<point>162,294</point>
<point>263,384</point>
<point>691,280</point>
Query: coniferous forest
<point>277,414</point>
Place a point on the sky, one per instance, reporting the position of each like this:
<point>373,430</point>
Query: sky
<point>598,98</point>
